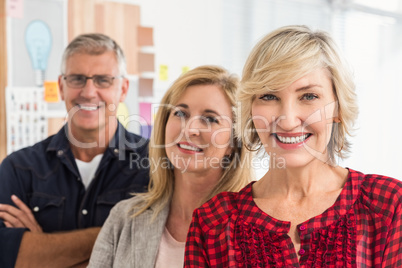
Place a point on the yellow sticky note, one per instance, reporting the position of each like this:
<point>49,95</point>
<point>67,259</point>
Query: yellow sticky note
<point>123,114</point>
<point>163,72</point>
<point>51,91</point>
<point>185,69</point>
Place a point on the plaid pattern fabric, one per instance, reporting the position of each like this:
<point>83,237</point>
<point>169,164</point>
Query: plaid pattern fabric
<point>362,229</point>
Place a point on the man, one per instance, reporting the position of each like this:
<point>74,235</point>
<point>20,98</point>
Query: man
<point>56,194</point>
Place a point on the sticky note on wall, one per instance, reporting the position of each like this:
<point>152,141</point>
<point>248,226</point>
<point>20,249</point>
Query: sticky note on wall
<point>15,8</point>
<point>51,91</point>
<point>146,112</point>
<point>163,72</point>
<point>185,69</point>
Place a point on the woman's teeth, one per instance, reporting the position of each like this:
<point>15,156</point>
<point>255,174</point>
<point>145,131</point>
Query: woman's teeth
<point>292,140</point>
<point>189,147</point>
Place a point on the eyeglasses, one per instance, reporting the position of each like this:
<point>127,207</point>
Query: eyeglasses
<point>80,80</point>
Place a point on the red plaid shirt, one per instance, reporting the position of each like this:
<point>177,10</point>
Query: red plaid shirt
<point>362,229</point>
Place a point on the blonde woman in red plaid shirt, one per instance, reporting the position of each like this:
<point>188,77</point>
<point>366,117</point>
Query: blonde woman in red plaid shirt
<point>298,103</point>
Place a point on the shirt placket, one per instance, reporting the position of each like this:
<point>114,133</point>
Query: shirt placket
<point>304,250</point>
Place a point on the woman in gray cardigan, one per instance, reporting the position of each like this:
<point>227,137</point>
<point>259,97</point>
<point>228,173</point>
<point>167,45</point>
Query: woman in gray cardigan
<point>193,155</point>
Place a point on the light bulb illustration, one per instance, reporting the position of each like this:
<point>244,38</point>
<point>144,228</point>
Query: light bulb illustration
<point>38,41</point>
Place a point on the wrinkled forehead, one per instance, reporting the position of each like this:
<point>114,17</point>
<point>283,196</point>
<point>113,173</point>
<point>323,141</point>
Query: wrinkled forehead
<point>89,64</point>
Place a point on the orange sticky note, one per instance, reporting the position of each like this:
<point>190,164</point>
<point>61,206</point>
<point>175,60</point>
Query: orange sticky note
<point>51,91</point>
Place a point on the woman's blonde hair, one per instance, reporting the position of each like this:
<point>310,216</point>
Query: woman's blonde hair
<point>284,56</point>
<point>236,174</point>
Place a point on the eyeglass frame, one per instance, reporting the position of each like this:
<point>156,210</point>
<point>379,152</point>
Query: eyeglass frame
<point>94,77</point>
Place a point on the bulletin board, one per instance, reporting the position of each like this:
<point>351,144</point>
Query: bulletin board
<point>26,117</point>
<point>32,51</point>
<point>22,68</point>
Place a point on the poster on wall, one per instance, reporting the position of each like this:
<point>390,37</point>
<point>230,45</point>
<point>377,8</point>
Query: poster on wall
<point>26,117</point>
<point>36,39</point>
<point>36,44</point>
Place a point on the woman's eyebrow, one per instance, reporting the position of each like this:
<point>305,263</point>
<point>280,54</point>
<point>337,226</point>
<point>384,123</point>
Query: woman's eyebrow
<point>206,110</point>
<point>182,105</point>
<point>308,87</point>
<point>211,111</point>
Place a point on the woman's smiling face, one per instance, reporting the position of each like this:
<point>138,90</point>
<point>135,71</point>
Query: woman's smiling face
<point>199,128</point>
<point>295,123</point>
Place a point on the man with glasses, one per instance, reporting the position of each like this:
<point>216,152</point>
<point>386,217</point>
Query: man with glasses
<point>55,195</point>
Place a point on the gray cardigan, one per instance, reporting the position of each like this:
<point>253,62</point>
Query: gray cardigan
<point>129,242</point>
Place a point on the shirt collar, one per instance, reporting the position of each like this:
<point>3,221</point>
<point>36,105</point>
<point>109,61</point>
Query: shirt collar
<point>59,142</point>
<point>254,215</point>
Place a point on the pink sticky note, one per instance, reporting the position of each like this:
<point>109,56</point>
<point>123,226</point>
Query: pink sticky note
<point>15,8</point>
<point>146,111</point>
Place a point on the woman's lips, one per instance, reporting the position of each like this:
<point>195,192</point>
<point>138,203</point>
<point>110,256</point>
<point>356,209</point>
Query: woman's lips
<point>291,141</point>
<point>189,148</point>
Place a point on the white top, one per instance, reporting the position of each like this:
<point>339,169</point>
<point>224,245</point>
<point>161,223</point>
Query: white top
<point>87,169</point>
<point>171,252</point>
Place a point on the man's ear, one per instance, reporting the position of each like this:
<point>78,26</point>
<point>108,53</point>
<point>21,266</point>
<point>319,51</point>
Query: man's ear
<point>61,89</point>
<point>124,89</point>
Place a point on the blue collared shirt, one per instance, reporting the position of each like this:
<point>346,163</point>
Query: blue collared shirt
<point>46,178</point>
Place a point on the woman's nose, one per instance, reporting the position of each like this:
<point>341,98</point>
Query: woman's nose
<point>289,118</point>
<point>194,126</point>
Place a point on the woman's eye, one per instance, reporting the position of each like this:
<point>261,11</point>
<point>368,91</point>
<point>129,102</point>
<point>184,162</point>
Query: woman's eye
<point>211,119</point>
<point>179,113</point>
<point>268,97</point>
<point>309,96</point>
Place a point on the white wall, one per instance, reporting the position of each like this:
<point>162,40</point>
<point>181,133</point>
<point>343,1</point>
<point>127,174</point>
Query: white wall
<point>373,46</point>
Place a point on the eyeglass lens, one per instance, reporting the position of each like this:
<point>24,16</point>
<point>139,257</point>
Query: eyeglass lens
<point>79,81</point>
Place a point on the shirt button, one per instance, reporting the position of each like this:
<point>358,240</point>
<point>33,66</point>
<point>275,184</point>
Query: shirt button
<point>116,151</point>
<point>84,212</point>
<point>302,251</point>
<point>302,227</point>
<point>60,152</point>
<point>36,209</point>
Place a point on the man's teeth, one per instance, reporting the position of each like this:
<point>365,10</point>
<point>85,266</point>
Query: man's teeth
<point>292,140</point>
<point>88,108</point>
<point>190,148</point>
